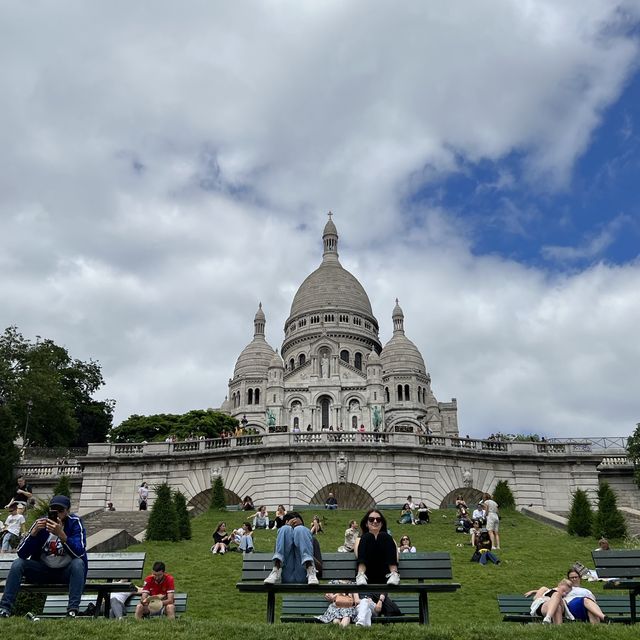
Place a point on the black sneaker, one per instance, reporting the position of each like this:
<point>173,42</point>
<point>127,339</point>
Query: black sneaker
<point>72,613</point>
<point>4,614</point>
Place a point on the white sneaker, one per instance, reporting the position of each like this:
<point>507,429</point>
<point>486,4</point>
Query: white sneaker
<point>393,578</point>
<point>361,578</point>
<point>312,578</point>
<point>547,620</point>
<point>275,576</point>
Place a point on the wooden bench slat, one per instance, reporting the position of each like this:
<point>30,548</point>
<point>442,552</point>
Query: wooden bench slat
<point>56,606</point>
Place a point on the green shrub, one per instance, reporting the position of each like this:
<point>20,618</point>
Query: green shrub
<point>580,516</point>
<point>608,521</point>
<point>184,521</point>
<point>163,520</point>
<point>63,487</point>
<point>217,495</point>
<point>503,496</point>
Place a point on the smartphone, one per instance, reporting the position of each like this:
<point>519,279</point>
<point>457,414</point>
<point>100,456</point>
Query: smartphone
<point>53,515</point>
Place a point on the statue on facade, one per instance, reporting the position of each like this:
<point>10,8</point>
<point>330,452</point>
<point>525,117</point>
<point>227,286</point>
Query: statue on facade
<point>271,418</point>
<point>377,417</point>
<point>467,478</point>
<point>341,468</point>
<point>324,367</point>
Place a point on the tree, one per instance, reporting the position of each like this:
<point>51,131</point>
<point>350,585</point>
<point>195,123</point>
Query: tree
<point>163,520</point>
<point>184,521</point>
<point>198,422</point>
<point>580,515</point>
<point>63,487</point>
<point>608,521</point>
<point>217,495</point>
<point>503,496</point>
<point>47,395</point>
<point>633,452</point>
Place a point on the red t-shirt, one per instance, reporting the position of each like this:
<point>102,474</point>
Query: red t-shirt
<point>154,588</point>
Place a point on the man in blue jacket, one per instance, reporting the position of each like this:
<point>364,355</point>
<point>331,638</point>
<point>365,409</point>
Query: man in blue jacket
<point>53,552</point>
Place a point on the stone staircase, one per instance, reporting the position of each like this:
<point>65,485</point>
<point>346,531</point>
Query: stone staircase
<point>133,522</point>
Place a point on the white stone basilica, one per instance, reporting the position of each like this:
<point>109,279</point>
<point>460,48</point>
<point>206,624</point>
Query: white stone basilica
<point>333,372</point>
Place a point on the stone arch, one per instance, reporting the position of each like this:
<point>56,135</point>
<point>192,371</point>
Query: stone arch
<point>201,501</point>
<point>470,495</point>
<point>348,495</point>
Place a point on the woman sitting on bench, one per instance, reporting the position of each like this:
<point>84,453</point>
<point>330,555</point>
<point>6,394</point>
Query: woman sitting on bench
<point>376,551</point>
<point>581,602</point>
<point>549,604</point>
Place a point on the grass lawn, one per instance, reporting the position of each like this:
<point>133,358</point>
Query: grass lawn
<point>532,554</point>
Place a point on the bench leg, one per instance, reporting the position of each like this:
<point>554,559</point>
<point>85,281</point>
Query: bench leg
<point>271,607</point>
<point>423,607</point>
<point>632,605</point>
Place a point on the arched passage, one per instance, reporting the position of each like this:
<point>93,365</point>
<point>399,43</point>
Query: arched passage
<point>202,501</point>
<point>348,495</point>
<point>470,495</point>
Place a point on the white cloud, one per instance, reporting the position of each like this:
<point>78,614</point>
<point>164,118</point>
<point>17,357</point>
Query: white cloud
<point>167,167</point>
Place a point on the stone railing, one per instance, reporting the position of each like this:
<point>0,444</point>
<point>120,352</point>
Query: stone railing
<point>615,461</point>
<point>334,438</point>
<point>48,470</point>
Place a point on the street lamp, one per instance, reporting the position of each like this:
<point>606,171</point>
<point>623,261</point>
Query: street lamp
<point>26,425</point>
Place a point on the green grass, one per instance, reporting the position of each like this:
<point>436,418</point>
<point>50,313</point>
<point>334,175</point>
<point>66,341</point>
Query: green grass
<point>532,554</point>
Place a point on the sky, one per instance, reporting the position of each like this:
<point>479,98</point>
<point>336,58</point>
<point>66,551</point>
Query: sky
<point>167,166</point>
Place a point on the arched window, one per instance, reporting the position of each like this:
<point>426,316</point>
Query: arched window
<point>406,392</point>
<point>301,359</point>
<point>386,394</point>
<point>344,356</point>
<point>399,393</point>
<point>357,361</point>
<point>250,396</point>
<point>292,364</point>
<point>256,396</point>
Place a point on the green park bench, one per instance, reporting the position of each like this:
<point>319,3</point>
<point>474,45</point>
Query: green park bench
<point>622,570</point>
<point>415,569</point>
<point>55,606</point>
<point>516,608</point>
<point>104,568</point>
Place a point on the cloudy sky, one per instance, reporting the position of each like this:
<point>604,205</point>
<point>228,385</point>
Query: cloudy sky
<point>166,166</point>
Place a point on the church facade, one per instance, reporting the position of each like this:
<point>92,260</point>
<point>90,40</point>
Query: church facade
<point>332,372</point>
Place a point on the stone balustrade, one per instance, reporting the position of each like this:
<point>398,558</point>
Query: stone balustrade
<point>48,470</point>
<point>333,438</point>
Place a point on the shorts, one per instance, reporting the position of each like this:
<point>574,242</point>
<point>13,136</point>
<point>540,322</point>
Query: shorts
<point>578,610</point>
<point>493,522</point>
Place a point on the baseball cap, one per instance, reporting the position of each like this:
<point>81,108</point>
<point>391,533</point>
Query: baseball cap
<point>60,501</point>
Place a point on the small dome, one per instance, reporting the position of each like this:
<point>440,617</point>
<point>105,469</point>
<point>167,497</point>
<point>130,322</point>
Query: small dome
<point>276,361</point>
<point>254,359</point>
<point>330,228</point>
<point>259,313</point>
<point>400,355</point>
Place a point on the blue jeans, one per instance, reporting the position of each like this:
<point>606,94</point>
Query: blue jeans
<point>37,572</point>
<point>294,547</point>
<point>488,556</point>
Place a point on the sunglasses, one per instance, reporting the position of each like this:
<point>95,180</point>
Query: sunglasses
<point>374,519</point>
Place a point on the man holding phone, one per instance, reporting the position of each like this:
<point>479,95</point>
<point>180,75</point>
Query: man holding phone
<point>54,552</point>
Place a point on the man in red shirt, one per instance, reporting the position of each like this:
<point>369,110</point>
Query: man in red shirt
<point>158,587</point>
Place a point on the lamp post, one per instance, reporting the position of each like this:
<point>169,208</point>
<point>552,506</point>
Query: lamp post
<point>26,424</point>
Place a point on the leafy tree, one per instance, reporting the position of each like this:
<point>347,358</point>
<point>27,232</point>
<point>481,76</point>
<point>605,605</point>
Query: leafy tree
<point>633,452</point>
<point>217,495</point>
<point>199,422</point>
<point>9,457</point>
<point>580,515</point>
<point>503,496</point>
<point>47,395</point>
<point>163,520</point>
<point>608,521</point>
<point>184,521</point>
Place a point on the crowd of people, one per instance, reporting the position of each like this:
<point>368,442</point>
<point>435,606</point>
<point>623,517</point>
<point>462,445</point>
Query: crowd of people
<point>54,551</point>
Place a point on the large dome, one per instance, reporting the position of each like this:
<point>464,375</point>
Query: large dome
<point>331,286</point>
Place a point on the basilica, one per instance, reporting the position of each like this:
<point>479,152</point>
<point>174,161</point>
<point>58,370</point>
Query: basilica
<point>332,372</point>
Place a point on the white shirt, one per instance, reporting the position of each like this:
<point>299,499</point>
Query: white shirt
<point>13,523</point>
<point>579,592</point>
<point>478,514</point>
